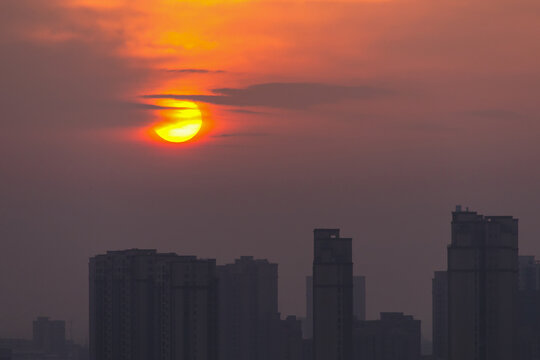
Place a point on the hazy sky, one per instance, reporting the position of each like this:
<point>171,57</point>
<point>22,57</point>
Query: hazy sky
<point>377,117</point>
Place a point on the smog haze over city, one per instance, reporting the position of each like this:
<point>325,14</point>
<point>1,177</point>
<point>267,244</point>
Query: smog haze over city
<point>228,128</point>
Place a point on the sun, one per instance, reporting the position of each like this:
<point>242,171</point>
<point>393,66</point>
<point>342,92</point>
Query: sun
<point>182,120</point>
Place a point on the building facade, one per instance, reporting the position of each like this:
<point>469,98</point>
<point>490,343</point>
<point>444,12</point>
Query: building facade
<point>307,326</point>
<point>332,296</point>
<point>186,308</point>
<point>529,273</point>
<point>49,336</point>
<point>5,354</point>
<point>359,297</point>
<point>359,303</point>
<point>482,287</point>
<point>394,337</point>
<point>529,308</point>
<point>440,315</point>
<point>145,305</point>
<point>290,342</point>
<point>248,309</point>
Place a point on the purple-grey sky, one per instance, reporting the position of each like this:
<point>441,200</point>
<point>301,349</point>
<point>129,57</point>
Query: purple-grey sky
<point>377,117</point>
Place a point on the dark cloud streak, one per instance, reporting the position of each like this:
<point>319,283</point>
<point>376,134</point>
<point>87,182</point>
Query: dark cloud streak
<point>227,135</point>
<point>281,95</point>
<point>153,107</point>
<point>251,112</point>
<point>194,71</point>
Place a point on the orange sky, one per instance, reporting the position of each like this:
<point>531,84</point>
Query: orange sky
<point>392,43</point>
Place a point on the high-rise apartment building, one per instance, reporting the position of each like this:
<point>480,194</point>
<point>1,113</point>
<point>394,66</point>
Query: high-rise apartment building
<point>145,305</point>
<point>394,337</point>
<point>186,309</point>
<point>359,297</point>
<point>529,273</point>
<point>482,287</point>
<point>307,326</point>
<point>5,354</point>
<point>440,315</point>
<point>529,308</point>
<point>289,339</point>
<point>49,336</point>
<point>332,296</point>
<point>359,303</point>
<point>248,309</point>
<point>122,305</point>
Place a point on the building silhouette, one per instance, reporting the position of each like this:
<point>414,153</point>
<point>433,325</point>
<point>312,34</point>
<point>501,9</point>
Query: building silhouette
<point>289,339</point>
<point>307,349</point>
<point>5,354</point>
<point>359,303</point>
<point>359,297</point>
<point>482,287</point>
<point>394,337</point>
<point>48,343</point>
<point>307,326</point>
<point>49,336</point>
<point>122,313</point>
<point>248,310</point>
<point>186,309</point>
<point>529,273</point>
<point>332,296</point>
<point>529,308</point>
<point>440,315</point>
<point>145,305</point>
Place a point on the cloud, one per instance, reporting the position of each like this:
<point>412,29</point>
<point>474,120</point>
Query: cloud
<point>227,135</point>
<point>49,79</point>
<point>194,71</point>
<point>152,106</point>
<point>251,112</point>
<point>281,95</point>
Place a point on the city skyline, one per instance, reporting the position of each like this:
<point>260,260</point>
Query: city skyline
<point>426,328</point>
<point>231,311</point>
<point>150,305</point>
<point>374,313</point>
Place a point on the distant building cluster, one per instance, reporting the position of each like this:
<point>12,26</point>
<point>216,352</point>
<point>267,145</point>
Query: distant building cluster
<point>146,305</point>
<point>48,343</point>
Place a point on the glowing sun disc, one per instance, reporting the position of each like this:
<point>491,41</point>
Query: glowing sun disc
<point>182,121</point>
